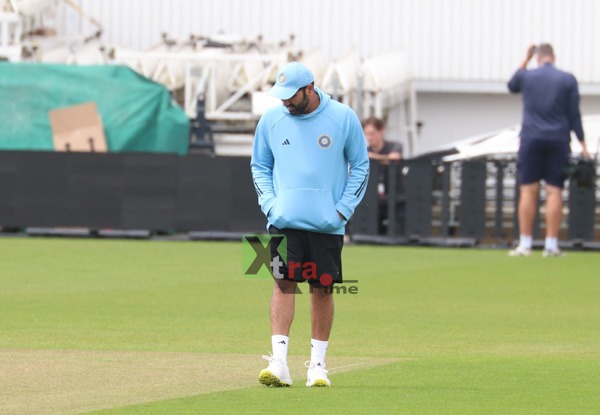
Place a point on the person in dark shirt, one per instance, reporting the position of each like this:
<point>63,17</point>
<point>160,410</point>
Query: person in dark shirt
<point>383,152</point>
<point>378,148</point>
<point>550,112</point>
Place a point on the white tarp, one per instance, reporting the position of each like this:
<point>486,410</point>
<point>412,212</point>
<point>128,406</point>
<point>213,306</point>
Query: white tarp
<point>506,143</point>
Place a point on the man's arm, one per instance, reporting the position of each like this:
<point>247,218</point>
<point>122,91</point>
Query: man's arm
<point>584,151</point>
<point>528,56</point>
<point>356,153</point>
<point>262,168</point>
<point>394,154</point>
<point>574,116</point>
<point>385,157</point>
<point>514,85</point>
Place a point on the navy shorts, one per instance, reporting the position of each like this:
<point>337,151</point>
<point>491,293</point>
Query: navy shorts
<point>311,256</point>
<point>543,159</point>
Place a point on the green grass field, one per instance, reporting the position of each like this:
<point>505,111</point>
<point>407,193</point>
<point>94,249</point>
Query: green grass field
<point>156,327</point>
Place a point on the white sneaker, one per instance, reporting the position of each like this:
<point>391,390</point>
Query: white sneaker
<point>316,375</point>
<point>277,374</point>
<point>552,253</point>
<point>519,251</point>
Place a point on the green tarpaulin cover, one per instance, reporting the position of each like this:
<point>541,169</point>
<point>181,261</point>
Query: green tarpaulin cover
<point>137,114</point>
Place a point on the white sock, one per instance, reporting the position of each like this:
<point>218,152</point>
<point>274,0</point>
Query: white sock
<point>525,241</point>
<point>551,244</point>
<point>280,347</point>
<point>318,348</point>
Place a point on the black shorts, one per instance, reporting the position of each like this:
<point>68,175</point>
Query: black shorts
<point>311,256</point>
<point>543,159</point>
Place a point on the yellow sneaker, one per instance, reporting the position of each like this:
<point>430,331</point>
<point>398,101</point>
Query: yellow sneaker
<point>277,374</point>
<point>316,375</point>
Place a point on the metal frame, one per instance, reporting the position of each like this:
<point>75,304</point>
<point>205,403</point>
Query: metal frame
<point>11,30</point>
<point>19,37</point>
<point>200,78</point>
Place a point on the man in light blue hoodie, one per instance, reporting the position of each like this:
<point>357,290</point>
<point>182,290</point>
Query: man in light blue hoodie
<point>310,169</point>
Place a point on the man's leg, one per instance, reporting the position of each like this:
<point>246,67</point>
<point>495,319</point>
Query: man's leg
<point>554,211</point>
<point>527,207</point>
<point>530,165</point>
<point>326,252</point>
<point>554,175</point>
<point>283,298</point>
<point>321,312</point>
<point>528,195</point>
<point>283,302</point>
<point>321,315</point>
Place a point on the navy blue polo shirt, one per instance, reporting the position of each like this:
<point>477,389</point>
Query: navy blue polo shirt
<point>550,103</point>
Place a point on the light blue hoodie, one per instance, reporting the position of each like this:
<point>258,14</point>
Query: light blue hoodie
<point>307,167</point>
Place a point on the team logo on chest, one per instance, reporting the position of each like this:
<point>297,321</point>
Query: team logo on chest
<point>324,141</point>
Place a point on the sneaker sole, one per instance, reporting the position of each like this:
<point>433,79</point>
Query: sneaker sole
<point>269,379</point>
<point>319,383</point>
<point>518,254</point>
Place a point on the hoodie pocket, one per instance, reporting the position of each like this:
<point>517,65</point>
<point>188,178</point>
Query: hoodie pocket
<point>302,208</point>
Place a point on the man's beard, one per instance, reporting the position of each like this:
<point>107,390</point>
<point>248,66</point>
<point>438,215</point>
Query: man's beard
<point>301,107</point>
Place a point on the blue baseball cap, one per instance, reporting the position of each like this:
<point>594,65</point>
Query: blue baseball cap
<point>290,78</point>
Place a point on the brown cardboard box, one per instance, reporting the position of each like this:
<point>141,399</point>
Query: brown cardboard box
<point>78,128</point>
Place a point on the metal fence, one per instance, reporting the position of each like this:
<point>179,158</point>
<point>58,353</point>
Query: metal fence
<point>413,201</point>
<point>462,203</point>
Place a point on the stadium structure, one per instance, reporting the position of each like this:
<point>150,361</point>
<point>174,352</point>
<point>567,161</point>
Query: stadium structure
<point>218,66</point>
